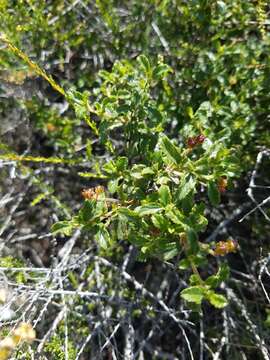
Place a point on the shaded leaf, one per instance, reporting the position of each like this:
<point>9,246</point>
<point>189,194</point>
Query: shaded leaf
<point>213,193</point>
<point>222,275</point>
<point>192,239</point>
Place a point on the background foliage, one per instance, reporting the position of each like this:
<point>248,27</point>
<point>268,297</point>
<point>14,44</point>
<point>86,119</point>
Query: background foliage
<point>161,110</point>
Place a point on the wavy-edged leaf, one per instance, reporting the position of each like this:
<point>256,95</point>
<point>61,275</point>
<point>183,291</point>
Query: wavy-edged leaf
<point>170,150</point>
<point>217,300</point>
<point>148,209</point>
<point>193,294</point>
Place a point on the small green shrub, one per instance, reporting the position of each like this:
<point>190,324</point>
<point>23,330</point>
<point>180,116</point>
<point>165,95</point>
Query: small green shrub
<point>152,181</point>
<point>161,141</point>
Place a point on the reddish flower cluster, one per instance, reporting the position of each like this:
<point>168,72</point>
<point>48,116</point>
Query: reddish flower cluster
<point>225,247</point>
<point>222,185</point>
<point>195,140</point>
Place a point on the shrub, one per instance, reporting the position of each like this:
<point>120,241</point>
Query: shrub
<point>157,143</point>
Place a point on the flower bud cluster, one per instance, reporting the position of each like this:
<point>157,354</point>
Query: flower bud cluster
<point>195,140</point>
<point>225,247</point>
<point>92,193</point>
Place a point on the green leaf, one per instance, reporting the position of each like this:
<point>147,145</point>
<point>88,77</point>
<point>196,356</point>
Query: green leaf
<point>190,112</point>
<point>213,194</point>
<point>160,222</point>
<point>192,239</point>
<point>87,211</point>
<point>215,280</point>
<point>217,300</point>
<point>187,184</point>
<point>163,180</point>
<point>147,209</point>
<point>121,227</point>
<point>223,272</point>
<point>113,186</point>
<point>184,264</point>
<point>193,294</point>
<point>89,149</point>
<point>123,109</point>
<point>212,281</point>
<point>164,195</point>
<point>136,239</point>
<point>175,215</point>
<point>170,150</point>
<point>139,171</point>
<point>187,203</point>
<point>62,227</point>
<point>147,171</point>
<point>38,199</point>
<point>171,251</point>
<point>145,64</point>
<point>194,280</point>
<point>121,163</point>
<point>154,115</point>
<point>127,212</point>
<point>204,112</point>
<point>130,215</point>
<point>110,167</point>
<point>161,71</point>
<point>199,259</point>
<point>103,238</point>
<point>196,218</point>
<point>267,320</point>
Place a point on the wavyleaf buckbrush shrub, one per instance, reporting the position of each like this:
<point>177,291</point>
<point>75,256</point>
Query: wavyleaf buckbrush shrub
<point>153,180</point>
<point>139,133</point>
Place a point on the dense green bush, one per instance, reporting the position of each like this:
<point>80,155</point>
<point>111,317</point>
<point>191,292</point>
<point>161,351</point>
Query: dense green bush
<point>158,110</point>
